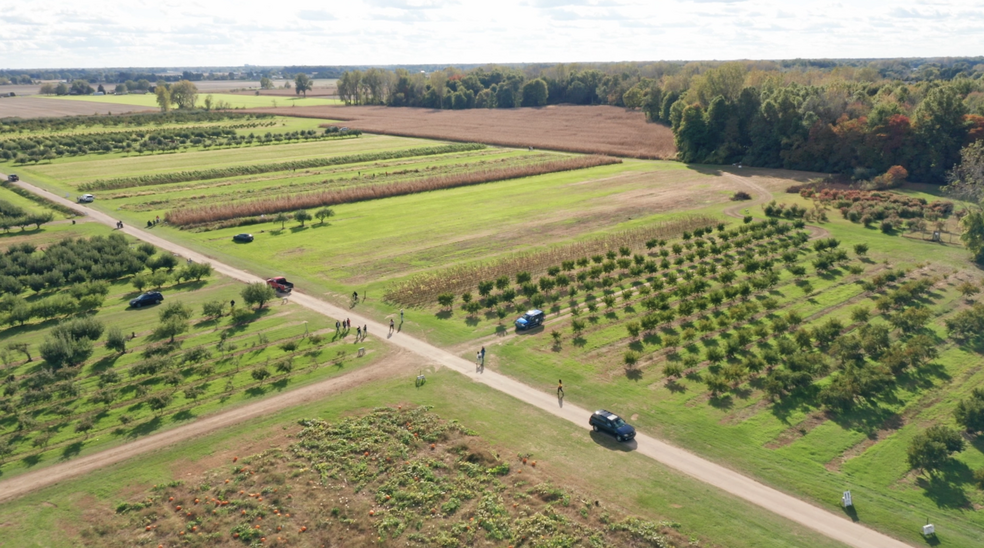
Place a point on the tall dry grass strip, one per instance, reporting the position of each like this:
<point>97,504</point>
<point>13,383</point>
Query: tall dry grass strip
<point>294,202</point>
<point>234,171</point>
<point>423,289</point>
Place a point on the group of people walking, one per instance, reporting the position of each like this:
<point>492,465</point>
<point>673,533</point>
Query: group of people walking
<point>344,326</point>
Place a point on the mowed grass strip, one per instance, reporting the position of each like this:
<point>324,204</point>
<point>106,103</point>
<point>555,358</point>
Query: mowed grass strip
<point>70,173</point>
<point>232,171</point>
<point>214,213</point>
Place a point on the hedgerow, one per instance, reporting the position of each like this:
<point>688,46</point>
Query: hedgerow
<point>204,174</point>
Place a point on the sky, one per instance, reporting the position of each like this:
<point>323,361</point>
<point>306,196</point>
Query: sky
<point>177,33</point>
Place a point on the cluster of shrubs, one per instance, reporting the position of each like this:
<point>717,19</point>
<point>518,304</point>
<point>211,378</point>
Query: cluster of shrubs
<point>12,215</point>
<point>792,211</point>
<point>886,208</point>
<point>19,125</point>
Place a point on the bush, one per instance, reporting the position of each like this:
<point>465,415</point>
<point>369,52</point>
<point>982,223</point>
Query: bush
<point>741,195</point>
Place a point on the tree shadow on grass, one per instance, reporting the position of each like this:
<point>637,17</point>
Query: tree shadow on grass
<point>501,331</point>
<point>579,341</point>
<point>296,229</point>
<point>280,384</point>
<point>31,460</point>
<point>444,314</point>
<point>946,489</point>
<point>673,385</point>
<point>145,428</point>
<point>635,345</point>
<point>104,363</point>
<point>184,415</point>
<point>255,392</point>
<point>633,374</point>
<point>71,450</point>
<point>721,401</point>
<point>742,393</point>
<point>472,321</point>
<point>190,285</point>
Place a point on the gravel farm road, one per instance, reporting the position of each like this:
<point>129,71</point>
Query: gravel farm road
<point>822,521</point>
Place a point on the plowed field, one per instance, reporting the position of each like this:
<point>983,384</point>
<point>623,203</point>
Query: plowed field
<point>571,128</point>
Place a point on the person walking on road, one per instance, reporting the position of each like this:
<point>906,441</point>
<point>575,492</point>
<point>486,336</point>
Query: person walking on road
<point>365,331</point>
<point>392,325</point>
<point>401,316</point>
<point>560,388</point>
<point>478,361</point>
<point>338,326</point>
<point>483,355</point>
<point>358,332</point>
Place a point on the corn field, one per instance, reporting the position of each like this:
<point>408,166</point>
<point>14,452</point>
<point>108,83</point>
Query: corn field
<point>423,289</point>
<point>219,173</point>
<point>293,202</point>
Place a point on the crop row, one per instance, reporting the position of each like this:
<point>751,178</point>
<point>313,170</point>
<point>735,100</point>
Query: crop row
<point>285,203</point>
<point>219,173</point>
<point>21,125</point>
<point>423,289</point>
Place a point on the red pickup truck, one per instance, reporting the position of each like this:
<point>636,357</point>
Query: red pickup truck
<point>280,284</point>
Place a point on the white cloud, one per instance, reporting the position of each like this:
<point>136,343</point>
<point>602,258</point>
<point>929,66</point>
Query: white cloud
<point>234,32</point>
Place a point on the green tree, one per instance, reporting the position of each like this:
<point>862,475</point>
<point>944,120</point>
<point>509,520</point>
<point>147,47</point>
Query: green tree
<point>213,309</point>
<point>266,83</point>
<point>324,213</point>
<point>163,97</point>
<point>302,84</point>
<point>81,87</point>
<point>302,216</point>
<point>969,412</point>
<point>281,218</point>
<point>184,94</point>
<point>930,450</point>
<point>260,374</point>
<point>973,236</point>
<point>535,93</point>
<point>171,328</point>
<point>174,309</point>
<point>258,294</point>
<point>208,102</point>
<point>116,340</point>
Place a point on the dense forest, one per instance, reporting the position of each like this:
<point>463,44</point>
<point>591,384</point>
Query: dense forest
<point>857,118</point>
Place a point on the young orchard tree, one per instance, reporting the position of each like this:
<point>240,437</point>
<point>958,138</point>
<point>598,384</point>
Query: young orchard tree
<point>258,294</point>
<point>116,340</point>
<point>302,216</point>
<point>930,450</point>
<point>281,218</point>
<point>324,213</point>
<point>446,300</point>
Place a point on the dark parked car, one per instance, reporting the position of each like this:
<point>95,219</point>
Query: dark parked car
<point>606,421</point>
<point>531,319</point>
<point>12,178</point>
<point>148,298</point>
<point>245,238</point>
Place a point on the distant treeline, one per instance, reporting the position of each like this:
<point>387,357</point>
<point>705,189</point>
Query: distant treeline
<point>855,117</point>
<point>849,122</point>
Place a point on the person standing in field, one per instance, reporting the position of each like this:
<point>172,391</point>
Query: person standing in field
<point>338,326</point>
<point>560,388</point>
<point>365,331</point>
<point>358,332</point>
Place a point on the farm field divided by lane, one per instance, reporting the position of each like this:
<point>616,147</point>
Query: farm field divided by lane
<point>565,453</point>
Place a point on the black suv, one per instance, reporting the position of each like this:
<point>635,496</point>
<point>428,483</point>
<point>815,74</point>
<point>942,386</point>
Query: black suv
<point>12,178</point>
<point>150,297</point>
<point>606,421</point>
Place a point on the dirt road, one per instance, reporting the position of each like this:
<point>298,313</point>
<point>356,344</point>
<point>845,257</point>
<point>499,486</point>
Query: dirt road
<point>831,525</point>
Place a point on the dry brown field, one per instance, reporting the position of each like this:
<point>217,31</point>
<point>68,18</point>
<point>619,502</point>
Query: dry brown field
<point>39,107</point>
<point>589,129</point>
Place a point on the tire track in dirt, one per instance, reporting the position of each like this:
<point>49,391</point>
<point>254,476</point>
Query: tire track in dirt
<point>824,522</point>
<point>763,196</point>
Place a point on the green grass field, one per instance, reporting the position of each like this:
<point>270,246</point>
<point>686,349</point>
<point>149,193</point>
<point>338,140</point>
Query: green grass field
<point>149,100</point>
<point>563,451</point>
